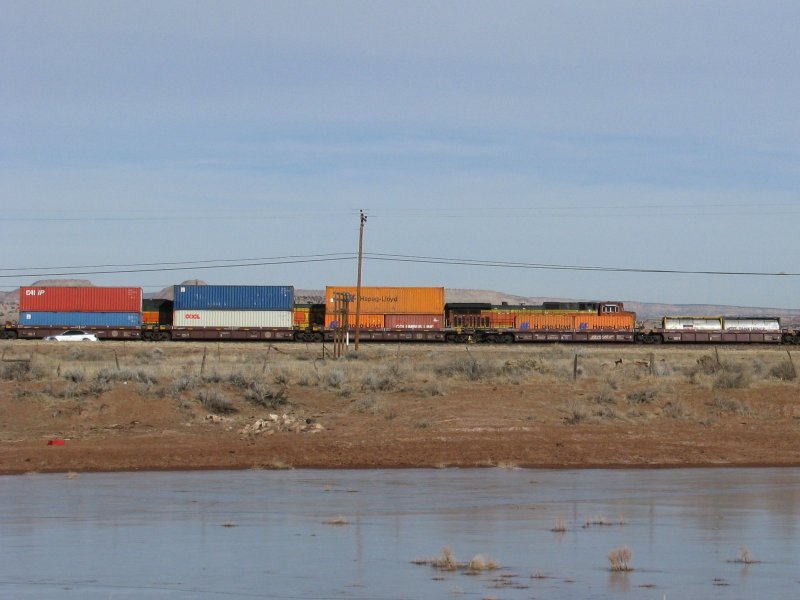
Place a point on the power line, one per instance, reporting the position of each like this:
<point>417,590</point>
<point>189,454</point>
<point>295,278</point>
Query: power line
<point>188,262</point>
<point>191,268</point>
<point>555,267</point>
<point>375,256</point>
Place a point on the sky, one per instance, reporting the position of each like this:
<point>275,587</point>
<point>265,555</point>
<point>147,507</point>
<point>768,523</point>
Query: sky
<point>642,136</point>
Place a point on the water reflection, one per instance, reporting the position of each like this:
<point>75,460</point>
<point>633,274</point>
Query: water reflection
<point>269,534</point>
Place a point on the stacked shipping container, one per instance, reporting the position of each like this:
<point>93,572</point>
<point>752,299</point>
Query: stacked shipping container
<point>46,306</point>
<point>233,306</point>
<point>411,308</point>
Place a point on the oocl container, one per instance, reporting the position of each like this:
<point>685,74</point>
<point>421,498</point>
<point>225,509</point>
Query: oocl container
<point>391,300</point>
<point>234,297</point>
<point>80,299</point>
<point>80,319</point>
<point>277,319</point>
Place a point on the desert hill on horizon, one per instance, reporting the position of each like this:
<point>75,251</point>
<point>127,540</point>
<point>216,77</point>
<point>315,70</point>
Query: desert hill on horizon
<point>9,301</point>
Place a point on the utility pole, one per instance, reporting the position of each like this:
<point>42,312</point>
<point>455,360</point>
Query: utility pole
<point>358,281</point>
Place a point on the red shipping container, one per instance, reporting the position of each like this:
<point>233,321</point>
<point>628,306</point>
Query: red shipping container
<point>414,322</point>
<point>367,321</point>
<point>80,299</point>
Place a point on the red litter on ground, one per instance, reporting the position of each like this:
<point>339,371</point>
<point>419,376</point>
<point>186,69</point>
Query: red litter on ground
<point>56,442</point>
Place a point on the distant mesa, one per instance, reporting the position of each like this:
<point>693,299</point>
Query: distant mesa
<point>63,283</point>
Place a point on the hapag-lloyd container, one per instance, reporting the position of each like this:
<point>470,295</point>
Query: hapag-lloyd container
<point>391,300</point>
<point>414,322</point>
<point>278,319</point>
<point>80,319</point>
<point>234,297</point>
<point>80,299</point>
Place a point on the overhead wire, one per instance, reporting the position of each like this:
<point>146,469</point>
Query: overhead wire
<point>375,256</point>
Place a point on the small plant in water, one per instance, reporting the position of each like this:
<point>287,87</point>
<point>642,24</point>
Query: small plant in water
<point>445,562</point>
<point>745,556</point>
<point>620,559</point>
<point>560,526</point>
<point>340,520</point>
<point>482,562</point>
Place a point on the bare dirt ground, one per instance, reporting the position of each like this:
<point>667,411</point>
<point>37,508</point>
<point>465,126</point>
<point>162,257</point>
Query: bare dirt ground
<point>144,406</point>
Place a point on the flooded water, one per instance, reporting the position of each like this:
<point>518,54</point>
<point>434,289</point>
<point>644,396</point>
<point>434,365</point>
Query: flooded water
<point>274,534</point>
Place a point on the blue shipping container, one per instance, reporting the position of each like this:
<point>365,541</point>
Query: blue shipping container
<point>234,297</point>
<point>80,319</point>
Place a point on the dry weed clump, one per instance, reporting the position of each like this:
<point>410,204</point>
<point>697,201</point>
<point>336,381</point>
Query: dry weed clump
<point>384,379</point>
<point>675,409</point>
<point>446,562</point>
<point>731,406</point>
<point>184,383</point>
<point>374,405</point>
<point>642,397</point>
<point>468,367</point>
<point>605,396</point>
<point>19,371</point>
<point>576,410</point>
<point>216,402</point>
<point>261,394</point>
<point>483,562</point>
<point>784,371</point>
<point>124,375</point>
<point>619,560</point>
<point>597,521</point>
<point>731,377</point>
<point>745,556</point>
<point>560,526</point>
<point>74,375</point>
<point>340,520</point>
<point>335,378</point>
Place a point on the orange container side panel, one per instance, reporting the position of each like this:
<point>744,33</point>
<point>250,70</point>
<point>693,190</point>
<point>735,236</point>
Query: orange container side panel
<point>624,321</point>
<point>367,321</point>
<point>150,316</point>
<point>392,300</point>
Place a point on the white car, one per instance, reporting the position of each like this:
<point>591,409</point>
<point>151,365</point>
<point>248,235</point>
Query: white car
<point>73,335</point>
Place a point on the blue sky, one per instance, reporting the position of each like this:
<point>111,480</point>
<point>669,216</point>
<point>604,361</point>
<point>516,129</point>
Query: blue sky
<point>627,134</point>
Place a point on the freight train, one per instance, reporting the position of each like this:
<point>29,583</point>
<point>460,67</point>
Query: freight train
<point>387,314</point>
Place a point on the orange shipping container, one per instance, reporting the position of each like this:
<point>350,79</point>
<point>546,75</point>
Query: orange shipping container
<point>150,316</point>
<point>624,321</point>
<point>367,321</point>
<point>391,300</point>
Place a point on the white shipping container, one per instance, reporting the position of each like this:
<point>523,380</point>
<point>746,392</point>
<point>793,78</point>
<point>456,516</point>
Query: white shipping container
<point>279,319</point>
<point>752,324</point>
<point>693,323</point>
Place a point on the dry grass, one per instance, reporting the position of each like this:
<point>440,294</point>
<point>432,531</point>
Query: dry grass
<point>745,556</point>
<point>577,411</point>
<point>446,561</point>
<point>731,406</point>
<point>216,402</point>
<point>619,560</point>
<point>597,521</point>
<point>560,526</point>
<point>483,562</point>
<point>340,520</point>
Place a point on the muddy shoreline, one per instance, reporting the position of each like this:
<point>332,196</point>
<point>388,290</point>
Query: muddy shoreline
<point>133,407</point>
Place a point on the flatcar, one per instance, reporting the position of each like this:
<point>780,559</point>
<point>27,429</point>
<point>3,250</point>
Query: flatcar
<point>395,314</point>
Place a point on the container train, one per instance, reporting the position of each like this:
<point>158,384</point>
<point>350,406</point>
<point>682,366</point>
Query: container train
<point>387,314</point>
